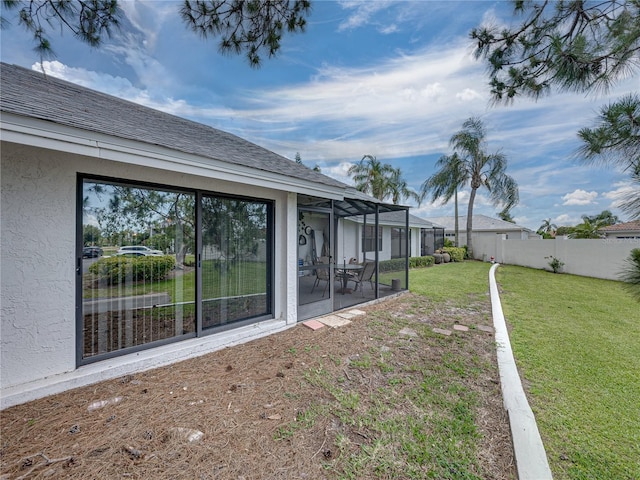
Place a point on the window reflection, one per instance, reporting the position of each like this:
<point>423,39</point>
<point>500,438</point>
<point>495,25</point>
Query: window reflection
<point>139,287</point>
<point>234,260</point>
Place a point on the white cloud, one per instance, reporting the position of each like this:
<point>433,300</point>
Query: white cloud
<point>565,219</point>
<point>468,95</point>
<point>362,13</point>
<point>339,172</point>
<point>393,28</point>
<point>579,197</point>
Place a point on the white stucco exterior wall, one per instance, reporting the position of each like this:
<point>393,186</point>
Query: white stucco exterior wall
<point>290,275</point>
<point>37,241</point>
<point>38,280</point>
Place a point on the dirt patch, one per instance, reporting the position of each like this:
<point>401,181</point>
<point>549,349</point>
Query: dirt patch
<point>382,397</point>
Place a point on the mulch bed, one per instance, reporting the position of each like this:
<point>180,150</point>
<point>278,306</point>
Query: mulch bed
<point>236,403</point>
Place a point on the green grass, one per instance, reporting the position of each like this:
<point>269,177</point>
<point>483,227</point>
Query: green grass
<point>451,282</point>
<point>416,420</point>
<point>577,343</point>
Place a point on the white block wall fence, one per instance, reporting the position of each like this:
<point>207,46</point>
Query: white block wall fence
<point>598,258</point>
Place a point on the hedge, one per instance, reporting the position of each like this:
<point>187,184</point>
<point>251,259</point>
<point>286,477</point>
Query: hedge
<point>120,268</point>
<point>397,264</point>
<point>417,262</point>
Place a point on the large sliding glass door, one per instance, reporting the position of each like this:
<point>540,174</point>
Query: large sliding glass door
<point>138,279</point>
<point>315,262</point>
<point>157,264</point>
<point>234,260</point>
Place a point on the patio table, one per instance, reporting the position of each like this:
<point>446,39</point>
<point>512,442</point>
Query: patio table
<point>345,271</point>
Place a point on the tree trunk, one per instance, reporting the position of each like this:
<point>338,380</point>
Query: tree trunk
<point>457,229</point>
<point>472,198</point>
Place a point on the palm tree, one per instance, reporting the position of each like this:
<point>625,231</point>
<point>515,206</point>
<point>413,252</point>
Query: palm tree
<point>547,227</point>
<point>380,180</point>
<point>589,228</point>
<point>370,176</point>
<point>476,168</point>
<point>445,183</point>
<point>398,189</point>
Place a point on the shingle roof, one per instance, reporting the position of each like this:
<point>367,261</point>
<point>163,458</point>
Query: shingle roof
<point>32,94</point>
<point>480,223</point>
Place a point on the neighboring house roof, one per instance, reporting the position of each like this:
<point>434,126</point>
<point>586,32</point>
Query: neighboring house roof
<point>628,227</point>
<point>481,223</point>
<point>397,219</point>
<point>31,94</point>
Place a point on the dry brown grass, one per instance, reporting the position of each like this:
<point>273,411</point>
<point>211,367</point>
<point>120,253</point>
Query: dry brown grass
<point>298,404</point>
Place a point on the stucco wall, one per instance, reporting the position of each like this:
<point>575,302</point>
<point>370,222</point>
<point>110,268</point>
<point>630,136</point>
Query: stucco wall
<point>37,251</point>
<point>37,248</point>
<point>598,258</point>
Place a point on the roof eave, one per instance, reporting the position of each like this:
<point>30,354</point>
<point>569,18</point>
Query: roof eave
<point>44,134</point>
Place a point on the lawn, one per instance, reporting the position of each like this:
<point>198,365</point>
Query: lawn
<point>577,344</point>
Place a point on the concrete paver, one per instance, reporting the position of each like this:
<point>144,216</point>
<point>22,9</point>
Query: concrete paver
<point>334,321</point>
<point>442,331</point>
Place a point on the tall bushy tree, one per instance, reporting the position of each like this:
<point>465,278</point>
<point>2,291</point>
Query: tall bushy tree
<point>615,140</point>
<point>249,26</point>
<point>573,45</point>
<point>88,20</point>
<point>568,44</point>
<point>252,27</point>
<point>476,168</point>
<point>604,218</point>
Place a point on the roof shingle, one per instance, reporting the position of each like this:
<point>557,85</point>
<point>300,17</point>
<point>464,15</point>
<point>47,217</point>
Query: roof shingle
<point>32,94</point>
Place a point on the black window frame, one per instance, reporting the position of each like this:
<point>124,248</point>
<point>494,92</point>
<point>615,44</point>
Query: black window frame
<point>82,177</point>
<point>369,238</point>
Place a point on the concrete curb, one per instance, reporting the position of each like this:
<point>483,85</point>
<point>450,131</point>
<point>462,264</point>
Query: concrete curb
<point>531,458</point>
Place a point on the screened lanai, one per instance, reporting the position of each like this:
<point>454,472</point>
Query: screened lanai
<point>347,253</point>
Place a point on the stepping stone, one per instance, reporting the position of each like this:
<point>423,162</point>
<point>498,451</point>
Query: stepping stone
<point>461,328</point>
<point>334,321</point>
<point>313,324</point>
<point>485,328</point>
<point>442,331</point>
<point>355,311</point>
<point>408,332</point>
<point>346,315</point>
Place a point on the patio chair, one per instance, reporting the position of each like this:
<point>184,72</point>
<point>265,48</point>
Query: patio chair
<point>364,275</point>
<point>322,274</point>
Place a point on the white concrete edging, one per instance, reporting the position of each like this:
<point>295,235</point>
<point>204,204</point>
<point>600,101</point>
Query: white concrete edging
<point>531,458</point>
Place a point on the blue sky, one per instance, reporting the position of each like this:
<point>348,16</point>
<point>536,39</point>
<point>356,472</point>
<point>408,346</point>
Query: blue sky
<point>394,79</point>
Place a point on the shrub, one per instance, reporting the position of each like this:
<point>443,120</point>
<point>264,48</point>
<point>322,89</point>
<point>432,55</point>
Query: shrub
<point>117,269</point>
<point>631,273</point>
<point>555,264</point>
<point>457,253</point>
